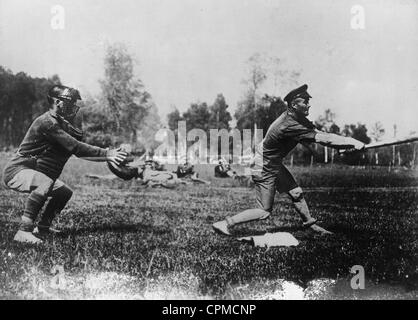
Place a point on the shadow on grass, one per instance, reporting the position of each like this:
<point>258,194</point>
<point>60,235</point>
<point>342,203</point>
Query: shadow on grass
<point>337,230</point>
<point>116,228</point>
<point>245,231</point>
<point>350,231</point>
<point>286,229</point>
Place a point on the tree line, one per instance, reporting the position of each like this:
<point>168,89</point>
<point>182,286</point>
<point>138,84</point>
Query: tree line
<point>216,116</point>
<point>124,111</point>
<point>22,99</point>
<point>256,109</point>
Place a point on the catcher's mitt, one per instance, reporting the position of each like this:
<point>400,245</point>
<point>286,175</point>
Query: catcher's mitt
<point>123,171</point>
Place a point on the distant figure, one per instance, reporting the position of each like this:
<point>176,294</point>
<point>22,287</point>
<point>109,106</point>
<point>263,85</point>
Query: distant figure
<point>155,165</point>
<point>186,171</point>
<point>153,178</point>
<point>223,170</point>
<point>152,174</point>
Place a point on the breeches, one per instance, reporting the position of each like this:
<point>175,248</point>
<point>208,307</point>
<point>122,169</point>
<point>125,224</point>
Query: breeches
<point>269,181</point>
<point>28,180</point>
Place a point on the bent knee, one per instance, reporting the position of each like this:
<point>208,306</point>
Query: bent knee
<point>44,187</point>
<point>64,192</point>
<point>296,194</point>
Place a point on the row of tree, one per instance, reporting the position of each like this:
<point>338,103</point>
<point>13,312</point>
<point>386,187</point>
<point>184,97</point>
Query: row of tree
<point>216,116</point>
<point>201,116</point>
<point>257,110</point>
<point>22,99</point>
<point>123,112</point>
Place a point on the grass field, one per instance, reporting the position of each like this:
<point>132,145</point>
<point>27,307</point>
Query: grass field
<point>125,241</point>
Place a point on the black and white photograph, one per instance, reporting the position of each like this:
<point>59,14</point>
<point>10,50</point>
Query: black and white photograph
<point>225,152</point>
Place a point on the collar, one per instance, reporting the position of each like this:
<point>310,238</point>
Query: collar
<point>301,119</point>
<point>52,113</point>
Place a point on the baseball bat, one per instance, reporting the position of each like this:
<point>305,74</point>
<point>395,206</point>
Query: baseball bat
<point>390,142</point>
<point>384,143</point>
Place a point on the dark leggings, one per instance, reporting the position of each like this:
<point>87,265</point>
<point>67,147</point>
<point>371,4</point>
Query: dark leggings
<point>59,199</point>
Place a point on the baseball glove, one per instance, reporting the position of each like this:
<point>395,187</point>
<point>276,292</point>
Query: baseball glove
<point>123,171</point>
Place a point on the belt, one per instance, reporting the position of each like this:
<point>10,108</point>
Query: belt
<point>26,155</point>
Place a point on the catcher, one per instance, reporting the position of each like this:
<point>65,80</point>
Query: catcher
<point>35,168</point>
<point>268,172</point>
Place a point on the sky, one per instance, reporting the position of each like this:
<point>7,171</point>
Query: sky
<point>191,50</point>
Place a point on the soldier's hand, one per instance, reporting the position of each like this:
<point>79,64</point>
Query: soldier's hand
<point>357,145</point>
<point>117,156</point>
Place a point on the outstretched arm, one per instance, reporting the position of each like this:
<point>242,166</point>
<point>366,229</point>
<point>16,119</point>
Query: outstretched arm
<point>83,150</point>
<point>338,142</point>
<point>117,156</point>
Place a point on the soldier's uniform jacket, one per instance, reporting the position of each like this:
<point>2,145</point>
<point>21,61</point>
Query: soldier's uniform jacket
<point>47,146</point>
<point>282,136</point>
<point>185,171</point>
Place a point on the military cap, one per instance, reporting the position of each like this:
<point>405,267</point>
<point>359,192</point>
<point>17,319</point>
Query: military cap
<point>300,92</point>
